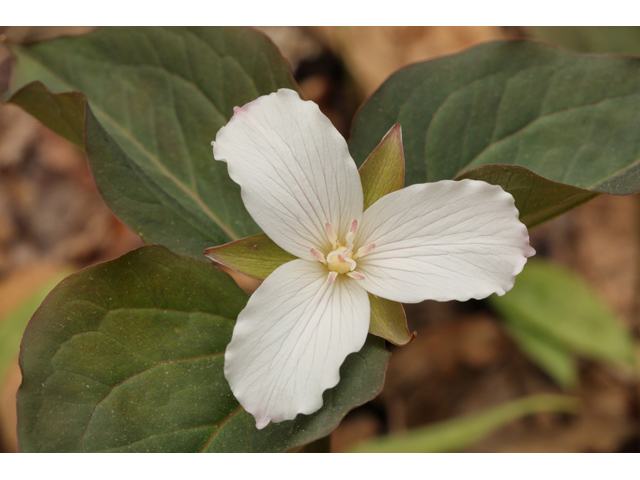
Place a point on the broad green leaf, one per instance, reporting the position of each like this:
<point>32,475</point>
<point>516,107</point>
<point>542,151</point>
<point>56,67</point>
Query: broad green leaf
<point>389,321</point>
<point>556,360</point>
<point>157,96</point>
<point>63,113</point>
<point>553,302</point>
<point>255,256</point>
<point>592,39</point>
<point>570,119</point>
<point>383,171</point>
<point>13,324</point>
<point>128,356</point>
<point>460,433</point>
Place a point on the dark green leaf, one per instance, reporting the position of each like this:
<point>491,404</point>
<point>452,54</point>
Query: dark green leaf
<point>63,113</point>
<point>158,97</point>
<point>554,303</point>
<point>128,356</point>
<point>571,119</point>
<point>592,39</point>
<point>459,433</point>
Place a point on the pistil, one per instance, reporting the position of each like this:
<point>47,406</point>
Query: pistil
<point>341,259</point>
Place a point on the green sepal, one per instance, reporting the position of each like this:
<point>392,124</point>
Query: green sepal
<point>256,256</point>
<point>389,321</point>
<point>383,171</point>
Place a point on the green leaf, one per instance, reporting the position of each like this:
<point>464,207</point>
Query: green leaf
<point>257,256</point>
<point>383,171</point>
<point>592,39</point>
<point>570,119</point>
<point>64,113</point>
<point>459,433</point>
<point>556,360</point>
<point>157,96</point>
<point>389,321</point>
<point>553,302</point>
<point>128,356</point>
<point>13,324</point>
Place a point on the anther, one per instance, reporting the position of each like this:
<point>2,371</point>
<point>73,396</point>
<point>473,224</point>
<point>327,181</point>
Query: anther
<point>354,227</point>
<point>356,275</point>
<point>333,238</point>
<point>332,276</point>
<point>362,251</point>
<point>318,255</point>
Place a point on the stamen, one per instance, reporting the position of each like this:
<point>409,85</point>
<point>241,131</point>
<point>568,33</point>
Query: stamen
<point>332,276</point>
<point>356,275</point>
<point>318,255</point>
<point>333,238</point>
<point>354,227</point>
<point>362,251</point>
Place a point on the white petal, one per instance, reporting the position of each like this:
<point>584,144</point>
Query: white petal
<point>294,170</point>
<point>443,241</point>
<point>291,338</point>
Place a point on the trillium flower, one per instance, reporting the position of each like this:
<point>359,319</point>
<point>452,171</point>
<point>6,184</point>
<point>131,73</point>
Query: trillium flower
<point>449,240</point>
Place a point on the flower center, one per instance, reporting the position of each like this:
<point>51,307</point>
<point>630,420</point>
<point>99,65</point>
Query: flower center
<point>341,260</point>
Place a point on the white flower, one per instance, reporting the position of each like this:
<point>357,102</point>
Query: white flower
<point>450,240</point>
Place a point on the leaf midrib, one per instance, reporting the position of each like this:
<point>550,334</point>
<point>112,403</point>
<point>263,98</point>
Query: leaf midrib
<point>465,168</point>
<point>156,161</point>
<point>519,131</point>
